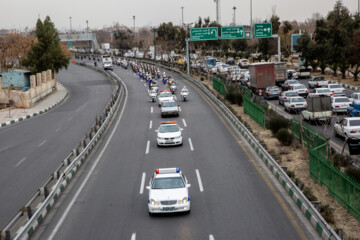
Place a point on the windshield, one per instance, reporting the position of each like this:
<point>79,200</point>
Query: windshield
<point>300,87</point>
<point>168,128</point>
<point>298,100</point>
<point>165,94</point>
<point>168,183</point>
<point>335,86</point>
<point>326,90</point>
<point>342,100</point>
<point>273,89</point>
<point>294,82</point>
<point>318,78</point>
<point>107,62</point>
<point>354,123</point>
<point>289,94</point>
<point>169,104</point>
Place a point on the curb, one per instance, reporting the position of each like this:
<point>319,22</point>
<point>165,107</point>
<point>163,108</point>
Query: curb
<point>25,117</point>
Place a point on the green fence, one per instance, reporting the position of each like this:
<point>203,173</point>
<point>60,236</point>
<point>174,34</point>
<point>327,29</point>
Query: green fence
<point>341,187</point>
<point>306,135</point>
<point>254,110</point>
<point>219,86</point>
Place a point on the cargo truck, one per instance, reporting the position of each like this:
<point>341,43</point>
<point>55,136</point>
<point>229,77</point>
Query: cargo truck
<point>280,73</point>
<point>262,75</point>
<point>107,62</point>
<point>319,108</point>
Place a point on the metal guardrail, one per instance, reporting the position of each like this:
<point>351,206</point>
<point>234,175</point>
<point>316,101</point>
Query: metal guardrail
<point>25,224</point>
<point>317,221</point>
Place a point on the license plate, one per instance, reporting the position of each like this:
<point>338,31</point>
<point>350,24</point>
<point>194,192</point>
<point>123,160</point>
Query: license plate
<point>168,208</point>
<point>168,141</point>
<point>298,105</point>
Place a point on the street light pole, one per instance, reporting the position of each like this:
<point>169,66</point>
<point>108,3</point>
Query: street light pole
<point>87,26</point>
<point>251,17</point>
<point>154,30</point>
<point>234,15</point>
<point>182,16</point>
<point>70,26</point>
<point>134,25</point>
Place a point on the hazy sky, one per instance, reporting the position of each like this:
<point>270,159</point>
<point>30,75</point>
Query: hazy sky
<point>22,13</point>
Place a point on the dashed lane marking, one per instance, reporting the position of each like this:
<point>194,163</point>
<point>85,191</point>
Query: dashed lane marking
<point>199,180</point>
<point>184,122</point>
<point>147,148</point>
<point>20,162</point>
<point>151,109</point>
<point>150,126</point>
<point>191,145</point>
<point>42,143</point>
<point>142,183</point>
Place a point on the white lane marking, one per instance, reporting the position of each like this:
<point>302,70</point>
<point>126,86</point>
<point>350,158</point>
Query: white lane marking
<point>133,236</point>
<point>20,162</point>
<point>81,107</point>
<point>147,147</point>
<point>69,119</point>
<point>42,143</point>
<point>184,122</point>
<point>144,84</point>
<point>191,145</point>
<point>179,109</point>
<point>58,129</point>
<point>150,126</point>
<point>211,237</point>
<point>142,183</point>
<point>199,180</point>
<point>72,202</point>
<point>175,97</point>
<point>151,109</point>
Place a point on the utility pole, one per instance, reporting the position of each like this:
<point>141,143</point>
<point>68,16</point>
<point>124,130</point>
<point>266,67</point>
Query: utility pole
<point>87,26</point>
<point>154,30</point>
<point>70,26</point>
<point>217,11</point>
<point>358,6</point>
<point>182,16</point>
<point>251,17</point>
<point>134,24</point>
<point>234,8</point>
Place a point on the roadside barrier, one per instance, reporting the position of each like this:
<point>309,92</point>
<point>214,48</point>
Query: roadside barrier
<point>219,86</point>
<point>28,218</point>
<point>254,110</point>
<point>324,230</point>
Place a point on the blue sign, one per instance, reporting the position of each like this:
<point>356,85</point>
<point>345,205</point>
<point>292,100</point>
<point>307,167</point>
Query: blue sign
<point>294,40</point>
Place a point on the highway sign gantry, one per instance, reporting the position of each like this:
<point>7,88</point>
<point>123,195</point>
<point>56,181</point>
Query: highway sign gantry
<point>262,30</point>
<point>233,32</point>
<point>203,34</point>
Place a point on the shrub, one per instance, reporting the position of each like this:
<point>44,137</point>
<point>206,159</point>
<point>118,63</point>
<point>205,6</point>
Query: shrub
<point>327,213</point>
<point>284,137</point>
<point>354,173</point>
<point>291,174</point>
<point>277,122</point>
<point>309,194</point>
<point>202,78</point>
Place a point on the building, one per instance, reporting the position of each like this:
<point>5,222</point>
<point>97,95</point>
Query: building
<point>16,78</point>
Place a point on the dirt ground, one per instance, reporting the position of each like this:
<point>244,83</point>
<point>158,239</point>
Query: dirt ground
<point>296,159</point>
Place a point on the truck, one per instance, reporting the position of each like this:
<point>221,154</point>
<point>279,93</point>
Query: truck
<point>280,73</point>
<point>318,82</point>
<point>262,75</point>
<point>107,62</point>
<point>319,108</point>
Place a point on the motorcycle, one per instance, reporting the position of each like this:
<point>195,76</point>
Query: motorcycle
<point>153,95</point>
<point>173,88</point>
<point>184,95</point>
<point>164,80</point>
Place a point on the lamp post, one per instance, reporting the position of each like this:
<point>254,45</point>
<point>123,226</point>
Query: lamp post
<point>70,26</point>
<point>134,24</point>
<point>251,17</point>
<point>234,8</point>
<point>87,26</point>
<point>154,30</point>
<point>182,16</point>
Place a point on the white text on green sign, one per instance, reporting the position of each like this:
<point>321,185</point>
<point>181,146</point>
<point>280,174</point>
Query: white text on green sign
<point>234,32</point>
<point>263,30</point>
<point>202,34</point>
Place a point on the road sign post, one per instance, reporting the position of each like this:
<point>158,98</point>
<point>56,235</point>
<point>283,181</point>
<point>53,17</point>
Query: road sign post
<point>262,30</point>
<point>204,34</point>
<point>233,32</point>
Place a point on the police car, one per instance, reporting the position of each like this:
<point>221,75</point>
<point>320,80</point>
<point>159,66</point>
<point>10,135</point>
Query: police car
<point>165,96</point>
<point>168,191</point>
<point>169,134</point>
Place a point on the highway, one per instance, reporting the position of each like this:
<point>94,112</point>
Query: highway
<point>31,150</point>
<point>230,197</point>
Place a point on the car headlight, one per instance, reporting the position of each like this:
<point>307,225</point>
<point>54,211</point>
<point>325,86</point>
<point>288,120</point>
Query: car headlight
<point>185,200</point>
<point>153,202</point>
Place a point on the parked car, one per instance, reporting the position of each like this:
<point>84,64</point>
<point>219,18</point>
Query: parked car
<point>336,89</point>
<point>300,89</point>
<point>272,92</point>
<point>292,74</point>
<point>243,63</point>
<point>315,82</point>
<point>355,97</point>
<point>286,95</point>
<point>340,104</point>
<point>348,128</point>
<point>295,104</point>
<point>288,83</point>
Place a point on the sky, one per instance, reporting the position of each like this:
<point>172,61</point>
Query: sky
<point>24,13</point>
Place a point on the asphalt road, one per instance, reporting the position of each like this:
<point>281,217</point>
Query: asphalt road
<point>229,198</point>
<point>32,149</point>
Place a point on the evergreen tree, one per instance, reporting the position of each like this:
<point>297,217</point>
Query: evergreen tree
<point>46,53</point>
<point>355,54</point>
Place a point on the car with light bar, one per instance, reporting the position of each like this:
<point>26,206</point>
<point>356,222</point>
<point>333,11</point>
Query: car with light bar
<point>170,108</point>
<point>168,191</point>
<point>348,128</point>
<point>165,96</point>
<point>169,134</point>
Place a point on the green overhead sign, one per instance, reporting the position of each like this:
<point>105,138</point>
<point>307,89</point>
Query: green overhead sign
<point>234,32</point>
<point>203,34</point>
<point>262,30</point>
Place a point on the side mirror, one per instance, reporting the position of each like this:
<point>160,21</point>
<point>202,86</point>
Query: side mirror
<point>188,185</point>
<point>148,188</point>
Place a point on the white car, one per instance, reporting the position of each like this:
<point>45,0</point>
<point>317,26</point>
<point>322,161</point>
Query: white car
<point>168,191</point>
<point>222,68</point>
<point>286,95</point>
<point>169,108</point>
<point>322,91</point>
<point>295,104</point>
<point>340,104</point>
<point>300,89</point>
<point>348,127</point>
<point>243,63</point>
<point>292,74</point>
<point>336,89</point>
<point>169,134</point>
<point>355,97</point>
<point>165,96</point>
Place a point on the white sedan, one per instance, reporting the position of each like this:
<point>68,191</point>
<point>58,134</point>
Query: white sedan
<point>340,104</point>
<point>165,96</point>
<point>168,191</point>
<point>169,134</point>
<point>286,95</point>
<point>323,91</point>
<point>348,127</point>
<point>336,89</point>
<point>295,104</point>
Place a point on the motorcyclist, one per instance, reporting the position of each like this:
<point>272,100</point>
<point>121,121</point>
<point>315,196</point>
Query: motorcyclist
<point>184,90</point>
